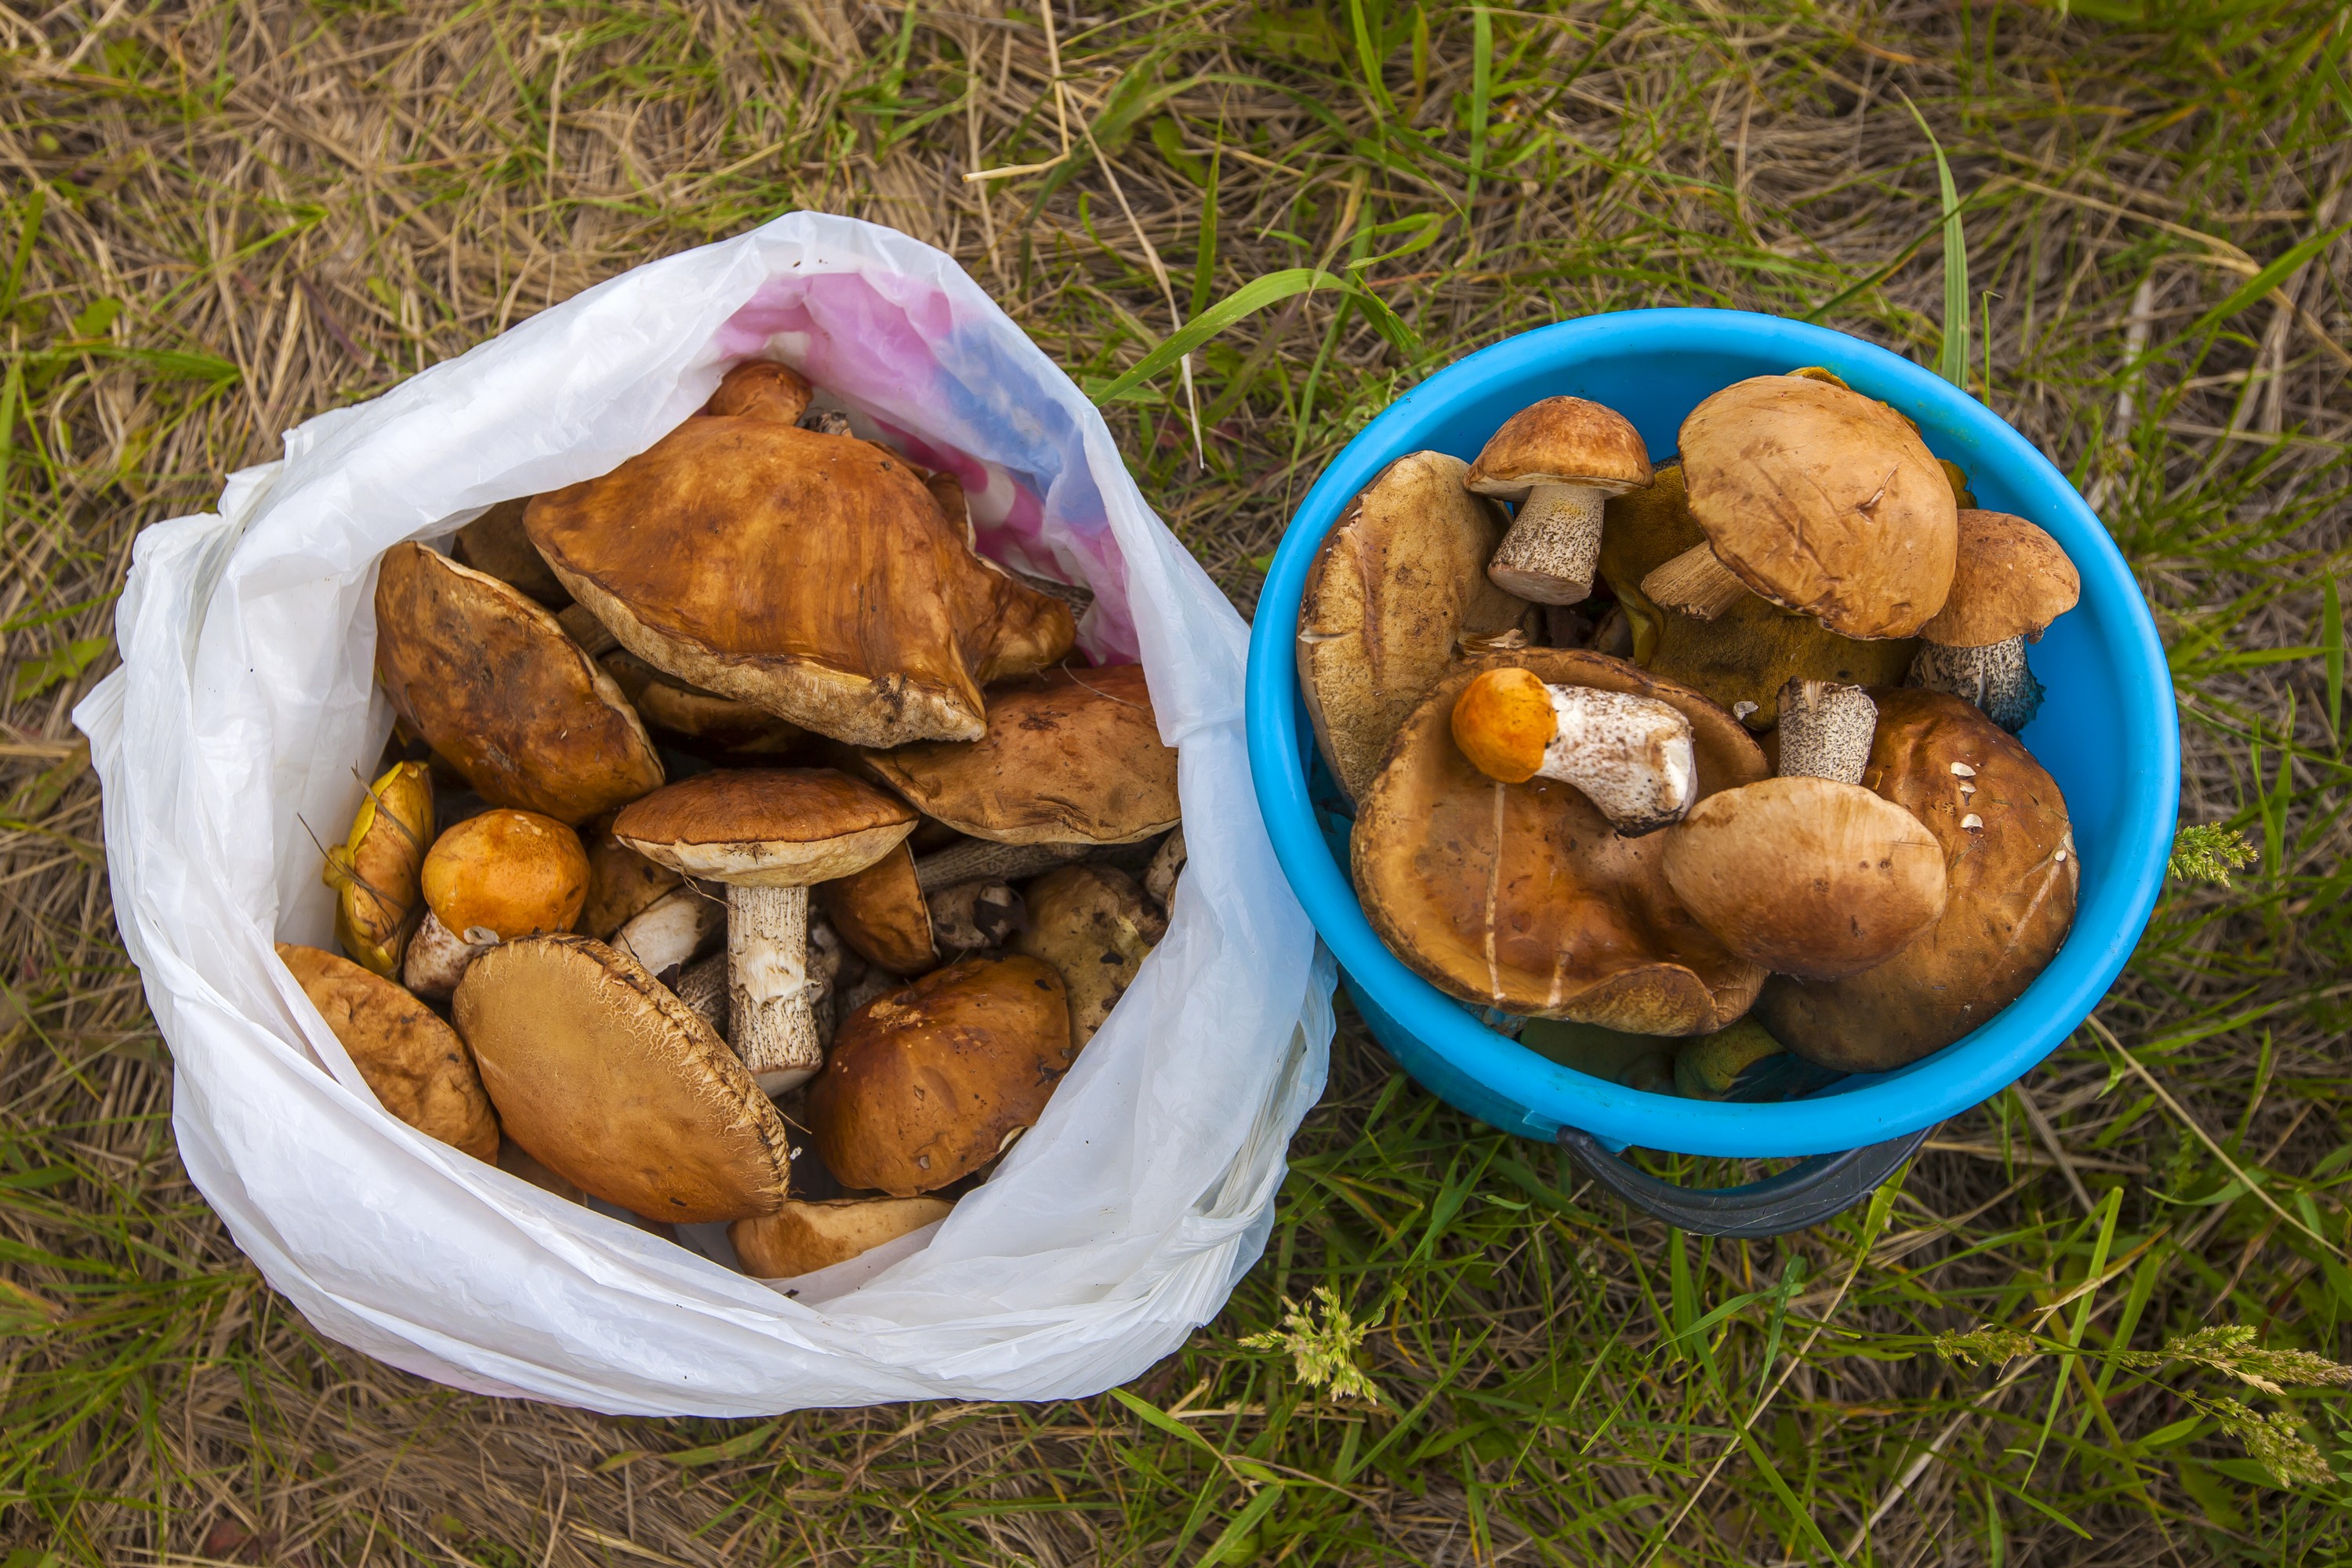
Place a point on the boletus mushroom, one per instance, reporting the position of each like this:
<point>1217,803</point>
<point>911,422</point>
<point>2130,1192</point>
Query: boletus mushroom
<point>622,883</point>
<point>761,389</point>
<point>930,1082</point>
<point>2011,581</point>
<point>803,1237</point>
<point>375,872</point>
<point>618,1086</point>
<point>1522,897</point>
<point>888,918</point>
<point>416,1064</point>
<point>1559,459</point>
<point>1395,584</point>
<point>770,834</point>
<point>1629,755</point>
<point>811,575</point>
<point>698,721</point>
<point>491,878</point>
<point>495,543</point>
<point>2011,874</point>
<point>491,683</point>
<point>1093,924</point>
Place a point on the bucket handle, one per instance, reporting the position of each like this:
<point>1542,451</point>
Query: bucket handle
<point>1802,1196</point>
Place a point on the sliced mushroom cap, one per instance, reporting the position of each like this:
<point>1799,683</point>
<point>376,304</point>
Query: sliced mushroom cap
<point>622,883</point>
<point>375,871</point>
<point>1093,924</point>
<point>930,1082</point>
<point>870,621</point>
<point>1807,876</point>
<point>803,1237</point>
<point>513,873</point>
<point>1742,656</point>
<point>1394,585</point>
<point>761,389</point>
<point>491,683</point>
<point>1825,503</point>
<point>1073,756</point>
<point>416,1064</point>
<point>881,913</point>
<point>617,1086</point>
<point>495,543</point>
<point>2011,872</point>
<point>700,720</point>
<point>1522,897</point>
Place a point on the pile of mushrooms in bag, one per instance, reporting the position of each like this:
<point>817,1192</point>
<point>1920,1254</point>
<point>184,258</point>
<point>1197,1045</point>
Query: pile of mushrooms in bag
<point>752,850</point>
<point>1701,778</point>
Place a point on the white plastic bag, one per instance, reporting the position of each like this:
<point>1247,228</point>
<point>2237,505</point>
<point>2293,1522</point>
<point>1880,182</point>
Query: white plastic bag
<point>245,713</point>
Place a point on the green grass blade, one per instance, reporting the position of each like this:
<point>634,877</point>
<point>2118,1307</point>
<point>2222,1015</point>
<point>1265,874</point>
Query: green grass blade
<point>1482,92</point>
<point>2259,285</point>
<point>1952,358</point>
<point>2331,639</point>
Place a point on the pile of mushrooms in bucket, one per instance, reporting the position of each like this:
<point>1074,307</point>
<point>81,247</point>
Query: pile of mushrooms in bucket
<point>699,892</point>
<point>1702,779</point>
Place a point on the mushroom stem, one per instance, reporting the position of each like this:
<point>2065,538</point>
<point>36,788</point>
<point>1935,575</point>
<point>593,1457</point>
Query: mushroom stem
<point>1825,731</point>
<point>982,913</point>
<point>1167,866</point>
<point>769,994</point>
<point>703,987</point>
<point>977,858</point>
<point>1995,679</point>
<point>438,958</point>
<point>1630,756</point>
<point>1553,545</point>
<point>1695,583</point>
<point>668,932</point>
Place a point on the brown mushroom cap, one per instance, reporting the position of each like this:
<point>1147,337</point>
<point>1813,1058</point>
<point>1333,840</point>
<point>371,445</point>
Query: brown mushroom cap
<point>622,883</point>
<point>809,575</point>
<point>617,1086</point>
<point>516,873</point>
<point>2008,854</point>
<point>929,1083</point>
<point>1396,582</point>
<point>881,913</point>
<point>375,871</point>
<point>2011,580</point>
<point>491,681</point>
<point>1744,654</point>
<point>1522,897</point>
<point>1094,926</point>
<point>1807,876</point>
<point>416,1063</point>
<point>761,389</point>
<point>495,543</point>
<point>1561,441</point>
<point>803,1237</point>
<point>1071,757</point>
<point>702,720</point>
<point>1823,501</point>
<point>773,828</point>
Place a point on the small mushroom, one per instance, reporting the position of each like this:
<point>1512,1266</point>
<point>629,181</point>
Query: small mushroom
<point>495,543</point>
<point>1524,896</point>
<point>698,721</point>
<point>491,878</point>
<point>1073,756</point>
<point>1398,582</point>
<point>622,883</point>
<point>887,917</point>
<point>982,913</point>
<point>1817,499</point>
<point>375,872</point>
<point>930,1082</point>
<point>617,1085</point>
<point>1825,731</point>
<point>1707,1066</point>
<point>1167,866</point>
<point>761,389</point>
<point>2013,579</point>
<point>1094,926</point>
<point>416,1064</point>
<point>491,683</point>
<point>668,933</point>
<point>803,1237</point>
<point>1629,755</point>
<point>770,835</point>
<point>2012,881</point>
<point>1559,459</point>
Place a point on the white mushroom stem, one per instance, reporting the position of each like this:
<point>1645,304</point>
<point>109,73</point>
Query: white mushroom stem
<point>668,932</point>
<point>437,957</point>
<point>1553,545</point>
<point>770,997</point>
<point>1825,731</point>
<point>1995,679</point>
<point>977,858</point>
<point>1632,756</point>
<point>1695,583</point>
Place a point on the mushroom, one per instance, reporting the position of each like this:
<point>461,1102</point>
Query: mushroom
<point>1707,1066</point>
<point>1629,755</point>
<point>491,683</point>
<point>2011,871</point>
<point>1818,499</point>
<point>375,871</point>
<point>622,883</point>
<point>1559,459</point>
<point>803,1237</point>
<point>1522,897</point>
<point>1741,657</point>
<point>668,933</point>
<point>1167,866</point>
<point>1073,756</point>
<point>811,575</point>
<point>2011,581</point>
<point>761,389</point>
<point>516,1161</point>
<point>1825,731</point>
<point>701,722</point>
<point>495,543</point>
<point>1094,926</point>
<point>702,985</point>
<point>416,1064</point>
<point>888,918</point>
<point>618,1086</point>
<point>1396,583</point>
<point>491,878</point>
<point>930,1082</point>
<point>1953,473</point>
<point>770,835</point>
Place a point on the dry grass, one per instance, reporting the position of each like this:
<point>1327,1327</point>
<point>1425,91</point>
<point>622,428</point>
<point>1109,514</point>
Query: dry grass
<point>224,218</point>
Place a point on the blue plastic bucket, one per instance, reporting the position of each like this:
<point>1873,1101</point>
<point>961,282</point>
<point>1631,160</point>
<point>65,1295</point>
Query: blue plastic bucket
<point>2106,732</point>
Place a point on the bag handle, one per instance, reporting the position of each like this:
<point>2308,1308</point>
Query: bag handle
<point>1799,1197</point>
